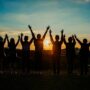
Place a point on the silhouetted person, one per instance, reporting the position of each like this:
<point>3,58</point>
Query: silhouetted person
<point>70,52</point>
<point>26,52</point>
<point>84,55</point>
<point>56,51</point>
<point>12,52</point>
<point>2,42</point>
<point>38,43</point>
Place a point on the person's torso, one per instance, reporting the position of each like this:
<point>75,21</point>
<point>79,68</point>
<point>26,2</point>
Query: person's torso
<point>84,49</point>
<point>38,45</point>
<point>1,49</point>
<point>12,49</point>
<point>57,47</point>
<point>26,46</point>
<point>70,49</point>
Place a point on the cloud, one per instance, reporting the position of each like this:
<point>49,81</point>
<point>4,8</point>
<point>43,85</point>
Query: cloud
<point>13,32</point>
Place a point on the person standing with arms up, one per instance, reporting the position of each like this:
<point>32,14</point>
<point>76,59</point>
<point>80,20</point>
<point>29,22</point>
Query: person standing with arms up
<point>70,52</point>
<point>84,55</point>
<point>26,53</point>
<point>38,43</point>
<point>2,43</point>
<point>56,51</point>
<point>12,52</point>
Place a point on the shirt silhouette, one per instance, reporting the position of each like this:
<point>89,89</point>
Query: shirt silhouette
<point>56,51</point>
<point>38,43</point>
<point>12,51</point>
<point>70,52</point>
<point>2,43</point>
<point>2,55</point>
<point>84,54</point>
<point>26,52</point>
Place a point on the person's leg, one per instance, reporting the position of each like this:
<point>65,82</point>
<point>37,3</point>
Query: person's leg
<point>36,60</point>
<point>81,66</point>
<point>40,62</point>
<point>54,66</point>
<point>58,65</point>
<point>28,66</point>
<point>69,65</point>
<point>86,66</point>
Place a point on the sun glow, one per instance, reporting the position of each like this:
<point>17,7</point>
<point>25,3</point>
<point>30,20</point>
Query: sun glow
<point>47,44</point>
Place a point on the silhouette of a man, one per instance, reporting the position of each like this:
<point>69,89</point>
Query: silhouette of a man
<point>84,55</point>
<point>56,51</point>
<point>2,43</point>
<point>70,52</point>
<point>38,43</point>
<point>26,52</point>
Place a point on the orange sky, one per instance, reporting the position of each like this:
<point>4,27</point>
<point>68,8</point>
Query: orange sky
<point>47,45</point>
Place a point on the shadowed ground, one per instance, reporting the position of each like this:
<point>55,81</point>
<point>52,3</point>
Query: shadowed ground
<point>44,81</point>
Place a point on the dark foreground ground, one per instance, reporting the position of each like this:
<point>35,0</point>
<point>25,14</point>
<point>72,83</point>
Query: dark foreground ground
<point>44,81</point>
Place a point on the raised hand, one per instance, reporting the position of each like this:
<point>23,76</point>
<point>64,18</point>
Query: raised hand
<point>72,36</point>
<point>21,34</point>
<point>48,27</point>
<point>29,27</point>
<point>50,31</point>
<point>6,36</point>
<point>75,36</point>
<point>62,31</point>
<point>18,37</point>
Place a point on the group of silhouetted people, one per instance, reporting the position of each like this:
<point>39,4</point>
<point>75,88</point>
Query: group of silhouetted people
<point>11,55</point>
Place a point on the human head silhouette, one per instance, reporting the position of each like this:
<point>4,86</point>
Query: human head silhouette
<point>57,37</point>
<point>26,38</point>
<point>70,39</point>
<point>1,39</point>
<point>12,41</point>
<point>85,41</point>
<point>38,36</point>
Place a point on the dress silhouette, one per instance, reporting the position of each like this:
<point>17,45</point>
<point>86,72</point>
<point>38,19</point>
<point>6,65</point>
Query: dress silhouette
<point>70,52</point>
<point>12,52</point>
<point>26,52</point>
<point>38,43</point>
<point>56,51</point>
<point>84,55</point>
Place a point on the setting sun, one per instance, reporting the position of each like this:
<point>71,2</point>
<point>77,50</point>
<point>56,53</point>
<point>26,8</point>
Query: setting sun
<point>47,44</point>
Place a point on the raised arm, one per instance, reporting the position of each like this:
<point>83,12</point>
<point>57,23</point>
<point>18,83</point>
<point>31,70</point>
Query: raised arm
<point>18,41</point>
<point>62,35</point>
<point>45,32</point>
<point>30,42</point>
<point>78,40</point>
<point>74,41</point>
<point>5,39</point>
<point>64,39</point>
<point>51,38</point>
<point>21,38</point>
<point>33,35</point>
